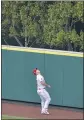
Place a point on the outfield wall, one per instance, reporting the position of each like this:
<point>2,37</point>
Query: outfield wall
<point>62,70</point>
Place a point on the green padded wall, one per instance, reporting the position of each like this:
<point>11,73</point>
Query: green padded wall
<point>63,73</point>
<point>18,82</point>
<point>73,82</point>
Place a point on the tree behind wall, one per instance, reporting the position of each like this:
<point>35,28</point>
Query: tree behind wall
<point>43,24</point>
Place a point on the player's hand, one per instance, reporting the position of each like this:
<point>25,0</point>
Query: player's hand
<point>49,86</point>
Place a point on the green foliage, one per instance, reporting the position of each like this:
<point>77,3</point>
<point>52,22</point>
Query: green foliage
<point>78,10</point>
<point>81,41</point>
<point>49,23</point>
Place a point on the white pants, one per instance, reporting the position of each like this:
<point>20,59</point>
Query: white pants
<point>45,98</point>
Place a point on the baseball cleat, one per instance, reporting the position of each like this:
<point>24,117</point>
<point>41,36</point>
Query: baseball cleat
<point>45,112</point>
<point>42,112</point>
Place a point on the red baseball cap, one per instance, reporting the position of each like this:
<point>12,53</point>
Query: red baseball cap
<point>34,71</point>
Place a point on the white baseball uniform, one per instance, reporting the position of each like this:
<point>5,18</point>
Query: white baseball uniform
<point>44,95</point>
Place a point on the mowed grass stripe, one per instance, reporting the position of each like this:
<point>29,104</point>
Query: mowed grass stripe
<point>13,117</point>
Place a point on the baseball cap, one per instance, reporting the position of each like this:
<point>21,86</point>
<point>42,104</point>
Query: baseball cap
<point>34,71</point>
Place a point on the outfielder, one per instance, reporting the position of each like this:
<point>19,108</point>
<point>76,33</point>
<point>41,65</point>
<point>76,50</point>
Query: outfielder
<point>44,95</point>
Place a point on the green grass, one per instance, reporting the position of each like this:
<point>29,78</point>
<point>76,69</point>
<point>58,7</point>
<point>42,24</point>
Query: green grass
<point>13,117</point>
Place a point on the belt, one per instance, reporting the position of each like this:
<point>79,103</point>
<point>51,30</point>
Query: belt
<point>40,88</point>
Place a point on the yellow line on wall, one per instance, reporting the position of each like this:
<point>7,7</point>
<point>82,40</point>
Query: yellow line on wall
<point>53,52</point>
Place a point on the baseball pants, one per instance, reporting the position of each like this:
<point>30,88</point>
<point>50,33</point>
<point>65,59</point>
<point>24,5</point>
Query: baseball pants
<point>45,98</point>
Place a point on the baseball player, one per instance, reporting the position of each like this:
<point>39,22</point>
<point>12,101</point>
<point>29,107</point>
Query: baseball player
<point>44,95</point>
